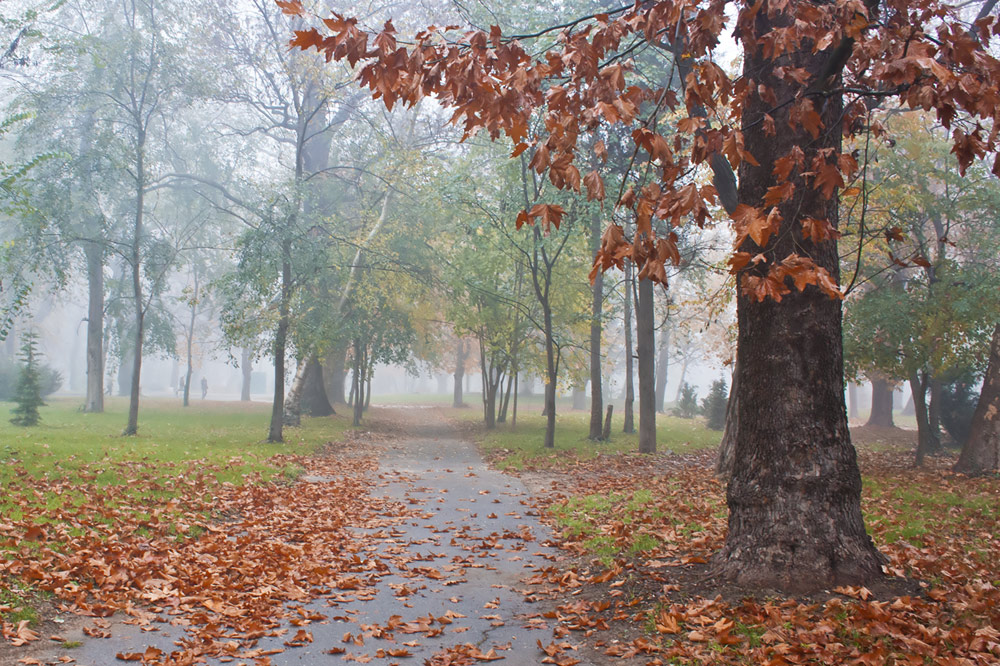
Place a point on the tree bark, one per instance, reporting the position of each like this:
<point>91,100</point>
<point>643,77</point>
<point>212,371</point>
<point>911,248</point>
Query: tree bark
<point>927,439</point>
<point>724,464</point>
<point>190,343</point>
<point>335,373</point>
<point>629,423</point>
<point>95,327</point>
<point>132,427</point>
<point>981,453</point>
<point>246,370</point>
<point>646,349</point>
<point>313,400</point>
<point>275,430</point>
<point>881,414</point>
<point>596,326</point>
<point>795,521</point>
<point>461,354</point>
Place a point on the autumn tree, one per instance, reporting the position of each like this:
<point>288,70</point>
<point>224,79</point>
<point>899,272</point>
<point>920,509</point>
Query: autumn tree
<point>811,71</point>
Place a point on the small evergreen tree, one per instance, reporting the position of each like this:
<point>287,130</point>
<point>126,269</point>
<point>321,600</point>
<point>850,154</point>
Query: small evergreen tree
<point>714,405</point>
<point>28,392</point>
<point>687,406</point>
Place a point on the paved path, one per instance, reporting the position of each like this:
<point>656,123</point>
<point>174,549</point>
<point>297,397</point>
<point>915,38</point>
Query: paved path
<point>457,570</point>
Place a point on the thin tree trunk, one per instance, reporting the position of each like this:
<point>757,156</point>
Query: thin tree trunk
<point>132,428</point>
<point>927,441</point>
<point>680,380</point>
<point>551,376</point>
<point>662,364</point>
<point>246,368</point>
<point>881,414</point>
<point>505,399</point>
<point>596,326</point>
<point>190,342</point>
<point>981,453</point>
<point>280,341</point>
<point>629,424</point>
<point>795,521</point>
<point>461,354</point>
<point>513,413</point>
<point>646,349</point>
<point>359,384</point>
<point>95,327</point>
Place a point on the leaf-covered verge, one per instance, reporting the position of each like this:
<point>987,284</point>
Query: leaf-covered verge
<point>643,529</point>
<point>95,523</point>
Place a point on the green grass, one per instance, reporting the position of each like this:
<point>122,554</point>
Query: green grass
<point>74,446</point>
<point>523,446</point>
<point>924,510</point>
<point>19,603</point>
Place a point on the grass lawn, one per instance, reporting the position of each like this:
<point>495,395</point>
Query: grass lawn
<point>74,474</point>
<point>522,446</point>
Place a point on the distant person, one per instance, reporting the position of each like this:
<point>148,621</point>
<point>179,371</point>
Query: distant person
<point>204,388</point>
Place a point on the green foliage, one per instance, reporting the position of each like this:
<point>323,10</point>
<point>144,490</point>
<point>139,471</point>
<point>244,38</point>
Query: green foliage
<point>687,406</point>
<point>28,390</point>
<point>958,402</point>
<point>714,406</point>
<point>49,379</point>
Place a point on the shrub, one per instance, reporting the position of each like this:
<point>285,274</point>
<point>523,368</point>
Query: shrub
<point>714,405</point>
<point>687,406</point>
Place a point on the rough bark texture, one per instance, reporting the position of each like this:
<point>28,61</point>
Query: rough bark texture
<point>795,521</point>
<point>596,326</point>
<point>95,328</point>
<point>646,349</point>
<point>881,414</point>
<point>981,453</point>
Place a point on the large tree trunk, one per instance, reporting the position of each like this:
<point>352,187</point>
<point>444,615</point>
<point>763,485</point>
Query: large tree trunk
<point>662,364</point>
<point>727,447</point>
<point>795,521</point>
<point>881,414</point>
<point>629,422</point>
<point>646,349</point>
<point>596,326</point>
<point>981,453</point>
<point>313,400</point>
<point>461,353</point>
<point>246,370</point>
<point>95,327</point>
